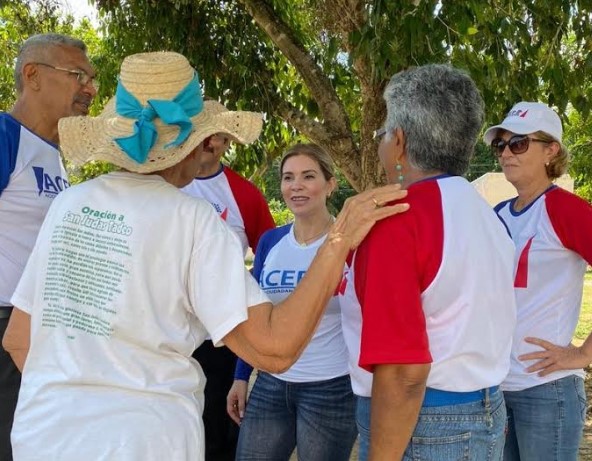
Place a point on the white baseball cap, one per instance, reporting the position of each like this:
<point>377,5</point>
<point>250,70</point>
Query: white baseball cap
<point>526,118</point>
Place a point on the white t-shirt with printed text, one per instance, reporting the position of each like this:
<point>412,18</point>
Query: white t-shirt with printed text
<point>127,279</point>
<point>285,262</point>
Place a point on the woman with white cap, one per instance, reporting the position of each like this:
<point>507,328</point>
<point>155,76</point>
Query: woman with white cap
<point>551,228</point>
<point>129,275</point>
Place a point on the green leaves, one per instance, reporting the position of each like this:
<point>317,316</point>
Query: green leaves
<point>20,19</point>
<point>577,129</point>
<point>514,50</point>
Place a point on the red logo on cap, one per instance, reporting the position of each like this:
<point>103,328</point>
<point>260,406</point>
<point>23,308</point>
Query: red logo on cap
<point>523,114</point>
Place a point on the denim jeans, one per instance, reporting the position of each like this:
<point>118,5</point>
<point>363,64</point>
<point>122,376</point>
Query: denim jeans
<point>363,423</point>
<point>470,431</point>
<point>546,422</point>
<point>318,418</point>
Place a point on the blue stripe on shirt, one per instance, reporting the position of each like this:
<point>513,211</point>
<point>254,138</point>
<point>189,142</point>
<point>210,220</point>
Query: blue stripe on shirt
<point>267,241</point>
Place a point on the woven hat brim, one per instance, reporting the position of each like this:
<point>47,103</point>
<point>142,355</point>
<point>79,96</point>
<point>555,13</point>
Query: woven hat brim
<point>83,138</point>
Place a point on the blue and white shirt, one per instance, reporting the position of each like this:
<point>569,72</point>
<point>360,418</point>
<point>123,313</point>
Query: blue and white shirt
<point>280,263</point>
<point>31,175</point>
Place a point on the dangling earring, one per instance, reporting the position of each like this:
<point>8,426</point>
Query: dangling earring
<point>399,169</point>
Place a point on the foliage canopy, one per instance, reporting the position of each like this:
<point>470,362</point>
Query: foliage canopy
<point>319,67</point>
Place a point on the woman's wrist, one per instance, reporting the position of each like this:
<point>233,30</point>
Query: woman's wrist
<point>336,243</point>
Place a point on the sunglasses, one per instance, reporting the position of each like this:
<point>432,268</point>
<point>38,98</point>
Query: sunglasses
<point>518,144</point>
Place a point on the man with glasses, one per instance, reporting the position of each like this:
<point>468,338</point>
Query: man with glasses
<point>53,79</point>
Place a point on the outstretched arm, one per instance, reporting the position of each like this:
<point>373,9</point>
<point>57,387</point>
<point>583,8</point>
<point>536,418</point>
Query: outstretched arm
<point>273,337</point>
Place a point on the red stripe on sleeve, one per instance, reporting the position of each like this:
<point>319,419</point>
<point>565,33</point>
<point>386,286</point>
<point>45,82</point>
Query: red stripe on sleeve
<point>252,206</point>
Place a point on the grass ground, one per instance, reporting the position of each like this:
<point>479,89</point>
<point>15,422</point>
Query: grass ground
<point>582,331</point>
<point>585,324</point>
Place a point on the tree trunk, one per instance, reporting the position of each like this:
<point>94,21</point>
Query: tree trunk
<point>358,162</point>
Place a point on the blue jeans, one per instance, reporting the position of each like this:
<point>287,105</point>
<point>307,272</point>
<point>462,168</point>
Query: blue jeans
<point>317,417</point>
<point>546,422</point>
<point>363,423</point>
<point>470,431</point>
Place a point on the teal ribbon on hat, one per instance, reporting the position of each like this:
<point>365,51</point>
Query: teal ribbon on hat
<point>177,111</point>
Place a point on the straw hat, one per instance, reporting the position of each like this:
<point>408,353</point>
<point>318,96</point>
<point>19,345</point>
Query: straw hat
<point>152,76</point>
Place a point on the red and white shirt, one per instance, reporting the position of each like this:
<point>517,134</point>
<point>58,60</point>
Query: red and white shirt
<point>237,201</point>
<point>435,285</point>
<point>553,238</point>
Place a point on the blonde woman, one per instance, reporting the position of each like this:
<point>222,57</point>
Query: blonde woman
<point>551,228</point>
<point>311,406</point>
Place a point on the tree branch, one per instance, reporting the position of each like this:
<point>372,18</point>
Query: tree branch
<point>338,141</point>
<point>317,82</point>
<point>348,161</point>
<point>344,17</point>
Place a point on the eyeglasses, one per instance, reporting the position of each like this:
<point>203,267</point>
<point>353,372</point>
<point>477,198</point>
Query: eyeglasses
<point>82,77</point>
<point>518,144</point>
<point>378,134</point>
